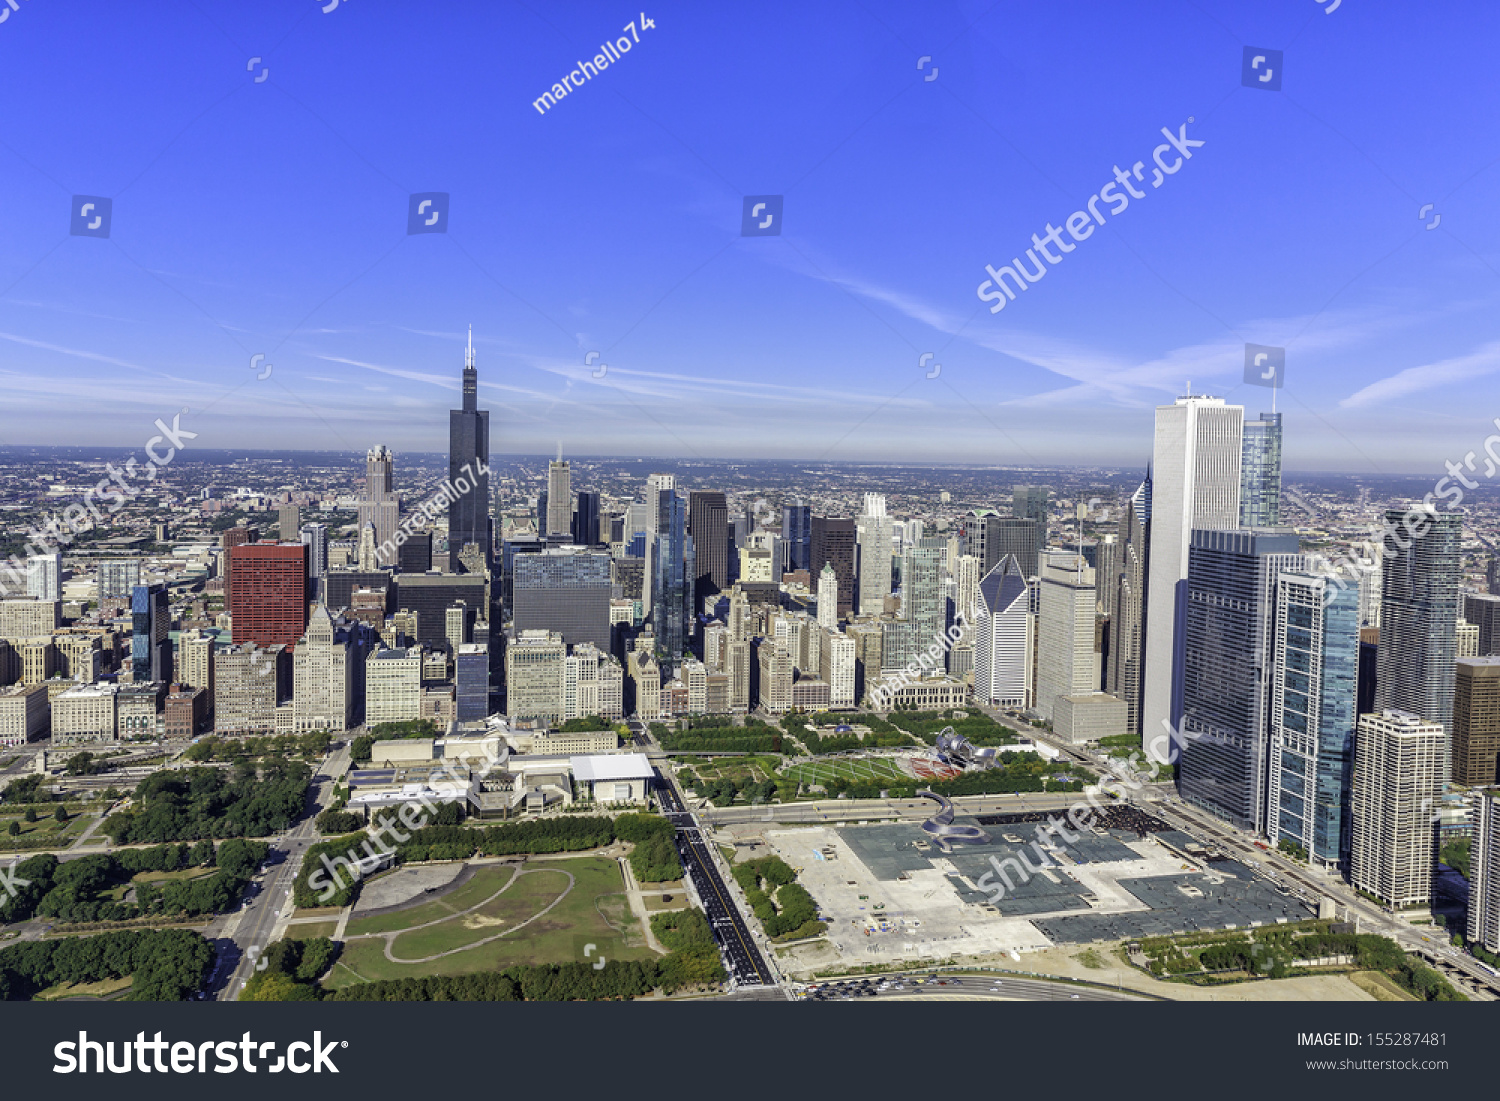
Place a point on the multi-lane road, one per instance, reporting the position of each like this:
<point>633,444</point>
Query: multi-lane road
<point>247,934</point>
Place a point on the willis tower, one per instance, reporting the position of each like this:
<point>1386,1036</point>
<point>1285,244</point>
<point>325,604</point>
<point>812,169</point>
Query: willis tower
<point>468,458</point>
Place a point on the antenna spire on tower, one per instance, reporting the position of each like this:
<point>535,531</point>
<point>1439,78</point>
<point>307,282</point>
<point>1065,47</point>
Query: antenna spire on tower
<point>469,355</point>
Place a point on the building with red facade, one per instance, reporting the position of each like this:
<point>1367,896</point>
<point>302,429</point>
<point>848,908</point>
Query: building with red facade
<point>268,592</point>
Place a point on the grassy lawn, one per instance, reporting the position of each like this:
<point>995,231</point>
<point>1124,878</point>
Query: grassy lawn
<point>852,769</point>
<point>311,930</point>
<point>552,939</point>
<point>529,895</point>
<point>1379,987</point>
<point>44,827</point>
<point>162,877</point>
<point>102,989</point>
<point>486,881</point>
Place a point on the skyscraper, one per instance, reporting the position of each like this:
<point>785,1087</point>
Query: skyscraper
<point>655,483</point>
<point>586,526</point>
<point>118,578</point>
<point>1484,872</point>
<point>565,590</point>
<point>672,586</point>
<point>1032,503</point>
<point>1228,611</point>
<point>1067,660</point>
<point>379,505</point>
<point>1128,608</point>
<point>1195,483</point>
<point>796,536</point>
<point>468,466</point>
<point>1003,637</point>
<point>828,598</point>
<point>1483,611</point>
<point>1397,784</point>
<point>873,534</point>
<point>269,596</point>
<point>831,539</point>
<point>559,497</point>
<point>1419,615</point>
<point>989,537</point>
<point>44,576</point>
<point>1260,472</point>
<point>708,524</point>
<point>315,536</point>
<point>150,642</point>
<point>288,521</point>
<point>1315,670</point>
<point>923,604</point>
<point>1476,722</point>
<point>471,679</point>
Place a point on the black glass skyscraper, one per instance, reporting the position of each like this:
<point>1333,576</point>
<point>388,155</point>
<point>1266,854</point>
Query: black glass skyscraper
<point>586,518</point>
<point>796,532</point>
<point>468,465</point>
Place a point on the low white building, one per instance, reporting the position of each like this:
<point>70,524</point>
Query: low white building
<point>615,777</point>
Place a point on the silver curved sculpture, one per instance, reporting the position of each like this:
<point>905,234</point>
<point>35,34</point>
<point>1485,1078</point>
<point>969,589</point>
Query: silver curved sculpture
<point>941,829</point>
<point>955,749</point>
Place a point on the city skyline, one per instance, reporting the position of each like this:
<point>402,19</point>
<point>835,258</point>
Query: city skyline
<point>808,345</point>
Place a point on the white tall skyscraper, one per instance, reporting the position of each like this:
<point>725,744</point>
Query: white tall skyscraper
<point>1003,637</point>
<point>1195,484</point>
<point>828,598</point>
<point>1398,769</point>
<point>873,530</point>
<point>655,483</point>
<point>559,517</point>
<point>44,576</point>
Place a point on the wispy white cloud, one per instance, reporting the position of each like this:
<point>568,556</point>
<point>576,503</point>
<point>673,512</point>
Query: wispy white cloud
<point>1484,360</point>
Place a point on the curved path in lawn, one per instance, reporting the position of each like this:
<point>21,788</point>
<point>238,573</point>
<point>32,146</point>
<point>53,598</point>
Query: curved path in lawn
<point>390,937</point>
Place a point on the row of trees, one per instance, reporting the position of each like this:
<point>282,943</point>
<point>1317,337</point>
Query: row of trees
<point>751,739</point>
<point>165,965</point>
<point>214,748</point>
<point>188,804</point>
<point>654,859</point>
<point>723,791</point>
<point>79,890</point>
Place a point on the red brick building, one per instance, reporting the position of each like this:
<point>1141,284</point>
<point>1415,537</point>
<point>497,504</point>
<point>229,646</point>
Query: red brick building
<point>268,592</point>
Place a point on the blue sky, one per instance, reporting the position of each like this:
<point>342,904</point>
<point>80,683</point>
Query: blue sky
<point>269,217</point>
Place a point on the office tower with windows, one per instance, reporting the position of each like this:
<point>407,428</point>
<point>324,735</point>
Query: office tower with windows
<point>44,576</point>
<point>415,555</point>
<point>586,524</point>
<point>672,587</point>
<point>1067,658</point>
<point>468,466</point>
<point>328,667</point>
<point>1260,472</point>
<point>831,539</point>
<point>269,602</point>
<point>471,679</point>
<point>873,534</point>
<point>1003,637</point>
<point>655,483</point>
<point>828,598</point>
<point>796,536</point>
<point>1398,783</point>
<point>1484,872</point>
<point>150,641</point>
<point>1127,630</point>
<point>1419,590</point>
<point>1032,503</point>
<point>559,512</point>
<point>118,578</point>
<point>535,671</point>
<point>288,523</point>
<point>430,595</point>
<point>1229,604</point>
<point>924,606</point>
<point>990,537</point>
<point>1483,611</point>
<point>708,524</point>
<point>1476,722</point>
<point>1315,672</point>
<point>379,507</point>
<point>566,590</point>
<point>1195,484</point>
<point>315,538</point>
